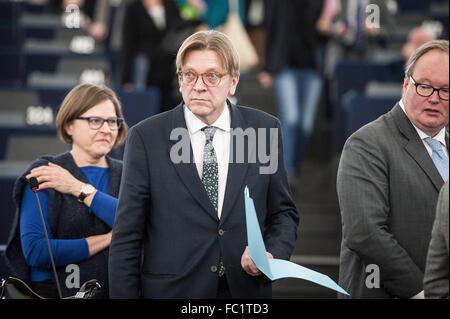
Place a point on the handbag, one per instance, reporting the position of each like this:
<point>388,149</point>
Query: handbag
<point>15,288</point>
<point>235,30</point>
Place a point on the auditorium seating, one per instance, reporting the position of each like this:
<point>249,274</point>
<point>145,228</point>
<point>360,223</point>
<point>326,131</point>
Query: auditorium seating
<point>360,109</point>
<point>38,67</point>
<point>355,76</point>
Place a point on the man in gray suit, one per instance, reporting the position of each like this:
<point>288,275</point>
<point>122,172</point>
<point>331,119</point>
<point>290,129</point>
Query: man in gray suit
<point>435,282</point>
<point>388,184</point>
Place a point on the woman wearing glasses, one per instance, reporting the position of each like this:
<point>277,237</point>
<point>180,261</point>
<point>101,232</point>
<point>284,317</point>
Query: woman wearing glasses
<point>78,196</point>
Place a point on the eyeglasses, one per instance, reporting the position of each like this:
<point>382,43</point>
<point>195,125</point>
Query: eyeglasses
<point>211,79</point>
<point>427,90</point>
<point>96,122</point>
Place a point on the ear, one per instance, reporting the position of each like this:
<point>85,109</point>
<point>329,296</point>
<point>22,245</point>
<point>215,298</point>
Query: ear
<point>234,83</point>
<point>68,127</point>
<point>405,84</point>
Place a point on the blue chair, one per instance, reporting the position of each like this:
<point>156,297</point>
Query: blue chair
<point>10,66</point>
<point>137,106</point>
<point>6,132</point>
<point>361,109</point>
<point>8,210</point>
<point>11,10</point>
<point>353,76</point>
<point>420,6</point>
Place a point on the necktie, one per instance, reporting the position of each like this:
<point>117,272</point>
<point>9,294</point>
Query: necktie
<point>438,157</point>
<point>210,177</point>
<point>210,172</point>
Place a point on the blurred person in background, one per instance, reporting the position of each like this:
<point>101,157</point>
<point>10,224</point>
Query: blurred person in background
<point>78,195</point>
<point>145,60</point>
<point>94,15</point>
<point>358,25</point>
<point>291,67</point>
<point>355,28</point>
<point>417,37</point>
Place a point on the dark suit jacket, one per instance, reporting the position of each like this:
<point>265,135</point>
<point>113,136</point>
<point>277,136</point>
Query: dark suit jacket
<point>140,35</point>
<point>435,281</point>
<point>165,216</point>
<point>291,34</point>
<point>388,187</point>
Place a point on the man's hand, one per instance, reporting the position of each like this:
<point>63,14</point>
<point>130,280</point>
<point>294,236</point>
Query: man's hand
<point>248,265</point>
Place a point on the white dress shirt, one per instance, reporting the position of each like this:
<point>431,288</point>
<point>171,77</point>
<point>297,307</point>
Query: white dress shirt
<point>440,136</point>
<point>221,144</point>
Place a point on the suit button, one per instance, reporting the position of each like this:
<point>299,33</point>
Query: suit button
<point>221,232</point>
<point>213,268</point>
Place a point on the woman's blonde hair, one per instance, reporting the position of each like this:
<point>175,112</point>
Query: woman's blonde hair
<point>82,98</point>
<point>211,40</point>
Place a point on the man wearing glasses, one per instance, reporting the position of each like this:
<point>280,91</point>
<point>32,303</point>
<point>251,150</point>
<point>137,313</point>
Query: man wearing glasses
<point>388,182</point>
<point>180,226</point>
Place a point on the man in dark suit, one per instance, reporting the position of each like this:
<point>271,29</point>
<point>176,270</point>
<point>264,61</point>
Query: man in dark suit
<point>389,178</point>
<point>180,225</point>
<point>436,277</point>
<point>146,24</point>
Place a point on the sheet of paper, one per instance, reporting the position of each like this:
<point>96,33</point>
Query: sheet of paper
<point>277,268</point>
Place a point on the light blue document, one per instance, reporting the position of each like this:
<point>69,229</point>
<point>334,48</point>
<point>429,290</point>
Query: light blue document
<point>277,268</point>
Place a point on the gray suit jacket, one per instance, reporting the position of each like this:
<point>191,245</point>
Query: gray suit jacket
<point>436,272</point>
<point>388,188</point>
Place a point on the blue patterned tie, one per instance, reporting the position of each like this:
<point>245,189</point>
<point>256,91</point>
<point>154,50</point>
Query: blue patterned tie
<point>439,158</point>
<point>210,173</point>
<point>210,177</point>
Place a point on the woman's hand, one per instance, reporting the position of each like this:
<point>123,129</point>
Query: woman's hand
<point>98,242</point>
<point>56,177</point>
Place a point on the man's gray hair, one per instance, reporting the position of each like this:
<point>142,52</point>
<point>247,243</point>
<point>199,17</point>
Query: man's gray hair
<point>441,45</point>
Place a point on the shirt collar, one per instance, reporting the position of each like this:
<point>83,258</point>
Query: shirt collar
<point>194,124</point>
<point>440,136</point>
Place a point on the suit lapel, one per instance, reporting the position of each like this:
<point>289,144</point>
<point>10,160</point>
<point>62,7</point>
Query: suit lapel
<point>188,171</point>
<point>236,171</point>
<point>446,141</point>
<point>414,147</point>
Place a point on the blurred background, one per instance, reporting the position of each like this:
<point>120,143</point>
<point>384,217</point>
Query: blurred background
<point>349,56</point>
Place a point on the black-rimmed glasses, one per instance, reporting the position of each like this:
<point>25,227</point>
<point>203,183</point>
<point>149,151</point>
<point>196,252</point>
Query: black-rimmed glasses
<point>426,90</point>
<point>211,79</point>
<point>96,122</point>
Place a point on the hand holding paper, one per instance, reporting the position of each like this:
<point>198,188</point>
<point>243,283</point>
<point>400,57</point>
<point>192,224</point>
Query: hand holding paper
<point>248,265</point>
<point>277,268</point>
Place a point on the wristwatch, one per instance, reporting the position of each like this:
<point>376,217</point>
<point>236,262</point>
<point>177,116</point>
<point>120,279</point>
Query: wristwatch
<point>86,190</point>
